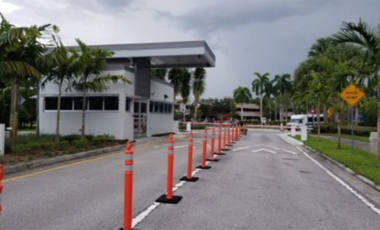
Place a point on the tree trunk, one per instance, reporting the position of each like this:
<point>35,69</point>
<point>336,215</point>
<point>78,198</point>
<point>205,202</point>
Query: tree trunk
<point>356,115</point>
<point>261,108</point>
<point>241,111</point>
<point>83,114</point>
<point>13,123</point>
<point>58,113</point>
<point>38,110</point>
<point>196,108</point>
<point>378,133</point>
<point>275,111</point>
<point>318,120</point>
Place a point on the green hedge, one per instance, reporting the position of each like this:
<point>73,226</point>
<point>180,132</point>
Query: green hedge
<point>346,129</point>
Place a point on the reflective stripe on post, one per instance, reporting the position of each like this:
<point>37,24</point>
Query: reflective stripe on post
<point>128,186</point>
<point>220,140</point>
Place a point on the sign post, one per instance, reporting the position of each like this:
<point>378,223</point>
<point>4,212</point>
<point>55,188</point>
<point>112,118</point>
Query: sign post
<point>352,95</point>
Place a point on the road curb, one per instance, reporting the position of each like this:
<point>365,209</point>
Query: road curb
<point>9,169</point>
<point>343,167</point>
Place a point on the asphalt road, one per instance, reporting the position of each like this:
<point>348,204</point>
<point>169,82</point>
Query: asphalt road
<point>263,183</point>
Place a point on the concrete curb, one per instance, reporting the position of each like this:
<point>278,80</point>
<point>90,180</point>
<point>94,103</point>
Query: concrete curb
<point>8,169</point>
<point>343,167</point>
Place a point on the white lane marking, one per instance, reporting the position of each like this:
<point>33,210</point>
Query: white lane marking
<point>257,150</point>
<point>157,146</point>
<point>285,150</point>
<point>180,146</point>
<point>241,148</point>
<point>140,217</point>
<point>340,181</point>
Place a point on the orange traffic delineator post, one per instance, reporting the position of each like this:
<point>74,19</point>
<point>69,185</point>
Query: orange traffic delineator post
<point>220,141</point>
<point>168,197</point>
<point>228,136</point>
<point>237,132</point>
<point>128,187</point>
<point>233,141</point>
<point>212,157</point>
<point>225,139</point>
<point>1,185</point>
<point>204,152</point>
<point>189,176</point>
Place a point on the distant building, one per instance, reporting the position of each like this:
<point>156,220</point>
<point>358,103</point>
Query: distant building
<point>251,111</point>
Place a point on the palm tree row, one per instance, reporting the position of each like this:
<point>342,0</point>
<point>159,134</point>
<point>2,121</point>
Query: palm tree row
<point>351,55</point>
<point>185,82</point>
<point>32,56</point>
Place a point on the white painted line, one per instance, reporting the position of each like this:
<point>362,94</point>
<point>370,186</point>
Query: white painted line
<point>140,217</point>
<point>258,150</point>
<point>340,181</point>
<point>289,152</point>
<point>180,146</point>
<point>241,148</point>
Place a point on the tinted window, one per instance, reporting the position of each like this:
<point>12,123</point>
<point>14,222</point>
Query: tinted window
<point>66,103</point>
<point>51,103</point>
<point>156,107</point>
<point>95,103</point>
<point>143,107</point>
<point>78,103</point>
<point>111,103</point>
<point>161,107</point>
<point>127,104</point>
<point>151,106</point>
<point>136,107</point>
<point>165,108</point>
<point>170,108</point>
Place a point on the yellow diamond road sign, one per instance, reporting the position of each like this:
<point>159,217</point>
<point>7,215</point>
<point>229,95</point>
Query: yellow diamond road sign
<point>352,94</point>
<point>329,112</point>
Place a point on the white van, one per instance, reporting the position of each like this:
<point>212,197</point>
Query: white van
<point>299,120</point>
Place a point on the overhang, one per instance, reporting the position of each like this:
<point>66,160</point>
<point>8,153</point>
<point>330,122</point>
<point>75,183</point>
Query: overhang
<point>165,54</point>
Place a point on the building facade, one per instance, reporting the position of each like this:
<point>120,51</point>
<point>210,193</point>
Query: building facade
<point>126,111</point>
<point>250,111</point>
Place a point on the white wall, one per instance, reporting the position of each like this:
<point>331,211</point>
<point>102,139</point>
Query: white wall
<point>159,123</point>
<point>117,123</point>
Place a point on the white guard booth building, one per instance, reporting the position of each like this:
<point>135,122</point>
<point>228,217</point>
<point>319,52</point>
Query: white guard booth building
<point>126,111</point>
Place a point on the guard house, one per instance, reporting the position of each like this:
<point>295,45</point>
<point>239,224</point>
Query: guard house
<point>126,111</point>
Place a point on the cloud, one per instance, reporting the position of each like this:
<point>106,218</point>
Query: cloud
<point>6,7</point>
<point>246,36</point>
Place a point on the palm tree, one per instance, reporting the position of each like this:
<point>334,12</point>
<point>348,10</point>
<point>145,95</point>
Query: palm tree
<point>199,87</point>
<point>260,86</point>
<point>158,73</point>
<point>175,78</point>
<point>24,56</point>
<point>89,63</point>
<point>282,84</point>
<point>185,86</point>
<point>242,95</point>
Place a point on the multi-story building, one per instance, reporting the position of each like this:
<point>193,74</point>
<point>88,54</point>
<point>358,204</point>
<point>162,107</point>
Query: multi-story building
<point>250,111</point>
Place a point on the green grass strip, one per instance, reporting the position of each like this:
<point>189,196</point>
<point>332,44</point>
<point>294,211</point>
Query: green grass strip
<point>360,161</point>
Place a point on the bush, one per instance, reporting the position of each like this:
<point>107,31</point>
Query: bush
<point>370,113</point>
<point>345,129</point>
<point>71,138</point>
<point>81,143</point>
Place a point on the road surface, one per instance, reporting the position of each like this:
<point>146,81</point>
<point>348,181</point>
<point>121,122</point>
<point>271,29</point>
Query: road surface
<point>262,183</point>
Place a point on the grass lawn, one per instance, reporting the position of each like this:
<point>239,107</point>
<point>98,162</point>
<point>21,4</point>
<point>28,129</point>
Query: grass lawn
<point>358,138</point>
<point>360,161</point>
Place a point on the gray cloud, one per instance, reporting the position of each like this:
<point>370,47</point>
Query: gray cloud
<point>229,15</point>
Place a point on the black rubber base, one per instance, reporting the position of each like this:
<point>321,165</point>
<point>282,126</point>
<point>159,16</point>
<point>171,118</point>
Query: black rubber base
<point>192,179</point>
<point>229,145</point>
<point>173,200</point>
<point>233,142</point>
<point>225,150</point>
<point>201,167</point>
<point>132,229</point>
<point>220,154</point>
<point>215,160</point>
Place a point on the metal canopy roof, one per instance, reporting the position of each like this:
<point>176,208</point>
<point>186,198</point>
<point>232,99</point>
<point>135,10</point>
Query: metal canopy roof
<point>165,54</point>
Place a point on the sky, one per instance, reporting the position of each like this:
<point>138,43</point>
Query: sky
<point>246,36</point>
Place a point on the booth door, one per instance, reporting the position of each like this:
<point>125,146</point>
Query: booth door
<point>140,119</point>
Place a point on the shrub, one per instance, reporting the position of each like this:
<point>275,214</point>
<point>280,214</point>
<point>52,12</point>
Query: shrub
<point>71,138</point>
<point>370,113</point>
<point>346,129</point>
<point>63,144</point>
<point>47,145</point>
<point>81,143</point>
